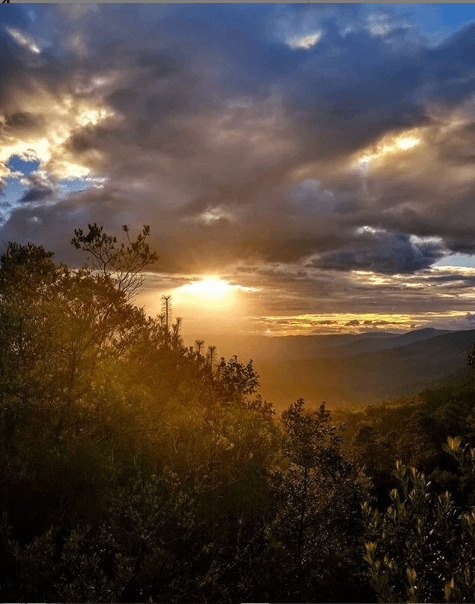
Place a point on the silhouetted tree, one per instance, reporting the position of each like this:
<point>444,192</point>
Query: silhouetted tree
<point>199,345</point>
<point>211,351</point>
<point>124,263</point>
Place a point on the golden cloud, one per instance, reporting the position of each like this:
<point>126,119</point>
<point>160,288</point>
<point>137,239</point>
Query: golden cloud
<point>53,119</point>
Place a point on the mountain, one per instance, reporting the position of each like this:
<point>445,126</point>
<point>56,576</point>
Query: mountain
<point>369,377</point>
<point>347,369</point>
<point>282,348</point>
<point>367,343</point>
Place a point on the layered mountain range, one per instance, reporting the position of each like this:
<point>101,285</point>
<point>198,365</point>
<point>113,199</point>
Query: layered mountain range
<point>350,369</point>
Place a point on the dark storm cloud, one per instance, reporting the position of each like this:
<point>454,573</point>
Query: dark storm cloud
<point>383,252</point>
<point>38,189</point>
<point>22,120</point>
<point>458,280</point>
<point>36,194</point>
<point>8,65</point>
<point>451,65</point>
<point>215,114</point>
<point>356,88</point>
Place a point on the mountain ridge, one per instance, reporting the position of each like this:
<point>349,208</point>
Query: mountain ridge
<point>261,347</point>
<point>369,377</point>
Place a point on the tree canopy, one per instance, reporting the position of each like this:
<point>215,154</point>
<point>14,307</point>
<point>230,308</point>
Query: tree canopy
<point>135,468</point>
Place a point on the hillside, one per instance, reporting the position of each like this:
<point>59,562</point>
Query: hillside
<point>369,377</point>
<point>285,348</point>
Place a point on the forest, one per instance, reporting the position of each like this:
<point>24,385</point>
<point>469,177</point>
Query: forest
<point>138,469</point>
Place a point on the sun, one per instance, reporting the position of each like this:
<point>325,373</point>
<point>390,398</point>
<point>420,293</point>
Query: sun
<point>209,289</point>
<point>213,301</point>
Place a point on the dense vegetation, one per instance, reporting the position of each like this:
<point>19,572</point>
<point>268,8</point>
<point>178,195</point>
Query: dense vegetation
<point>137,469</point>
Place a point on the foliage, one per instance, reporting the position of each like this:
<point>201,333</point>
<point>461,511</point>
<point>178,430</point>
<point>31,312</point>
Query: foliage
<point>318,524</point>
<point>137,469</point>
<point>133,467</point>
<point>124,263</point>
<point>236,378</point>
<point>422,548</point>
<point>412,431</point>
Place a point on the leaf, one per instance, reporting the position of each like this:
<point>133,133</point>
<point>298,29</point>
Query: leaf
<point>454,443</point>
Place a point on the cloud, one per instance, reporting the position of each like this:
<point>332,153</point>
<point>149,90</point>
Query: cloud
<point>457,281</point>
<point>24,40</point>
<point>383,252</point>
<point>38,189</point>
<point>36,194</point>
<point>351,152</point>
<point>305,42</point>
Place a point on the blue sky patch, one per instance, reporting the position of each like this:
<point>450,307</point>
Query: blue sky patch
<point>26,167</point>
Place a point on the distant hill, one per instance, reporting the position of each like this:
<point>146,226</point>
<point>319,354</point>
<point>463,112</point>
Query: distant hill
<point>347,369</point>
<point>284,348</point>
<point>368,343</point>
<point>368,377</point>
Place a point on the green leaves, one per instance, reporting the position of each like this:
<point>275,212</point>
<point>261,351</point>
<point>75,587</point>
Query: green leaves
<point>320,523</point>
<point>454,443</point>
<point>430,541</point>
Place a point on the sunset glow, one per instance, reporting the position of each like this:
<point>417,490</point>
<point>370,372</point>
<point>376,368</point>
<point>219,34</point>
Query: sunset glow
<point>307,163</point>
<point>210,289</point>
<point>211,304</point>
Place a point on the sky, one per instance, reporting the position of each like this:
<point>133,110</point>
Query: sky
<point>304,168</point>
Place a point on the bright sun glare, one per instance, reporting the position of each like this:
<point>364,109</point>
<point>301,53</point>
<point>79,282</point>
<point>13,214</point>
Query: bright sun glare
<point>209,289</point>
<point>212,303</point>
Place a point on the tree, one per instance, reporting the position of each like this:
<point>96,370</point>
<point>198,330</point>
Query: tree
<point>199,345</point>
<point>25,270</point>
<point>123,263</point>
<point>318,521</point>
<point>422,548</point>
<point>234,378</point>
<point>61,328</point>
<point>210,356</point>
